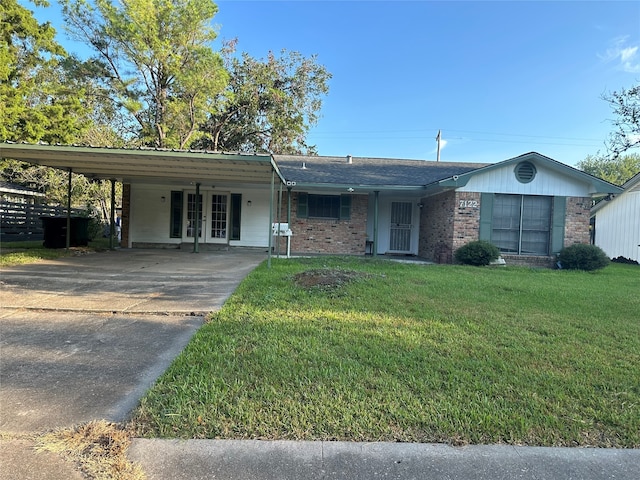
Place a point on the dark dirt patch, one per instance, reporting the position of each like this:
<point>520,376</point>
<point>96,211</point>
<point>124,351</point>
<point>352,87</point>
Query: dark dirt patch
<point>327,277</point>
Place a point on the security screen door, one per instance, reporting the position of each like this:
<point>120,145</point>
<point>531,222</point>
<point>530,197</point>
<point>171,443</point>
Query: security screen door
<point>401,226</point>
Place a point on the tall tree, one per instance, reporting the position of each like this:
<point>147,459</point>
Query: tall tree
<point>156,59</point>
<point>615,170</point>
<point>269,105</point>
<point>626,106</point>
<point>35,99</point>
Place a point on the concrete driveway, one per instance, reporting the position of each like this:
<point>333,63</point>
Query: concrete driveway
<point>129,281</point>
<point>83,337</point>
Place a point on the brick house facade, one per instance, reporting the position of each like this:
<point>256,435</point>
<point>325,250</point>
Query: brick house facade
<point>452,219</point>
<point>530,206</point>
<point>549,201</point>
<point>328,236</point>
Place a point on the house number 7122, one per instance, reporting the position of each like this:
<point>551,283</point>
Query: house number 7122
<point>468,203</point>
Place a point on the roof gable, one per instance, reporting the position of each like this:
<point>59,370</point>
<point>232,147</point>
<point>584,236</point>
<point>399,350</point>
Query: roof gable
<point>594,185</point>
<point>430,176</point>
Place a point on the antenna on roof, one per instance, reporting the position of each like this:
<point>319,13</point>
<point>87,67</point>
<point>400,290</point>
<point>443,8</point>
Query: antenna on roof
<point>438,138</point>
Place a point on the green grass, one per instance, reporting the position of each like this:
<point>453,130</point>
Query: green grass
<point>413,353</point>
<point>21,253</point>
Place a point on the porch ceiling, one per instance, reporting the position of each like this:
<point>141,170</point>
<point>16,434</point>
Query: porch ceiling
<point>149,165</point>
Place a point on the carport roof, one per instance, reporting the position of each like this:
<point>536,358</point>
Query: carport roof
<point>149,165</point>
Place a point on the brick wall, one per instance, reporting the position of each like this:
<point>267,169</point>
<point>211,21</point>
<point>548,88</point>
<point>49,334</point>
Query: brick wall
<point>452,219</point>
<point>329,236</point>
<point>576,223</point>
<point>126,215</point>
<point>466,225</point>
<point>436,227</point>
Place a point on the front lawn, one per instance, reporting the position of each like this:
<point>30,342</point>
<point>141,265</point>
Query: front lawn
<point>371,350</point>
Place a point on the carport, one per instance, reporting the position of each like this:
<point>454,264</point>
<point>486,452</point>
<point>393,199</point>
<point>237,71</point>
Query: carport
<point>152,165</point>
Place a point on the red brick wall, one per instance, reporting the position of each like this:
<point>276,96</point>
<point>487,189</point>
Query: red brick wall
<point>452,219</point>
<point>466,225</point>
<point>436,227</point>
<point>576,223</point>
<point>318,235</point>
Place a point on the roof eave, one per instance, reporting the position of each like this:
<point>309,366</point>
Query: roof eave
<point>355,187</point>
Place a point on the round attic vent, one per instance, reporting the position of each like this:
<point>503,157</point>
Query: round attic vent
<point>525,172</point>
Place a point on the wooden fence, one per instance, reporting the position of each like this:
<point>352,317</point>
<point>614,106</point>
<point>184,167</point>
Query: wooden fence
<point>22,221</point>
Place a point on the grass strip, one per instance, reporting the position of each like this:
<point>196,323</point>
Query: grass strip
<point>22,253</point>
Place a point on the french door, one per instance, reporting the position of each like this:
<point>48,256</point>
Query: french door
<point>212,221</point>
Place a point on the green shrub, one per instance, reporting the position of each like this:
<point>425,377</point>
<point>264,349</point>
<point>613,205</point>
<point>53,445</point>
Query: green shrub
<point>582,257</point>
<point>479,252</point>
<point>94,228</point>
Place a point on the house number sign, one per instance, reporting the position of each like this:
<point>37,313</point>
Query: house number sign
<point>469,204</point>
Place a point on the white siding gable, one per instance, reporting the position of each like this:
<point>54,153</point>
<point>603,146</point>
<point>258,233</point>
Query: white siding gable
<point>546,182</point>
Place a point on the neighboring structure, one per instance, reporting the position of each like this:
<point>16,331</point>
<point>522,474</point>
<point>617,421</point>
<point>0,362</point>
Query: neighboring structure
<point>529,206</point>
<point>617,222</point>
<point>10,192</point>
<point>21,213</point>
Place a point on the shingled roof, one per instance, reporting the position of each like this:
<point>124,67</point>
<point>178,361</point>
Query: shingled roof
<point>368,172</point>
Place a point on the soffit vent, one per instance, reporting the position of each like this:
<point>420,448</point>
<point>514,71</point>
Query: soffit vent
<point>525,172</point>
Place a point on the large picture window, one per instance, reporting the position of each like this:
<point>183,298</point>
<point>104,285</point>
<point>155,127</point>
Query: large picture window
<point>521,224</point>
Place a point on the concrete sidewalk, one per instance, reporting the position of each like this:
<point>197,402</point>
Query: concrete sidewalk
<point>288,460</point>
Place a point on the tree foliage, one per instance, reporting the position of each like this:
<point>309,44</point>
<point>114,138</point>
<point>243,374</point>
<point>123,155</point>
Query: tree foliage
<point>616,170</point>
<point>41,99</point>
<point>36,100</point>
<point>626,106</point>
<point>269,105</point>
<point>156,61</point>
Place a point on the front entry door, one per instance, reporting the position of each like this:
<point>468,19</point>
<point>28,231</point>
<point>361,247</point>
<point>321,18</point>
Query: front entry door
<point>212,223</point>
<point>401,227</point>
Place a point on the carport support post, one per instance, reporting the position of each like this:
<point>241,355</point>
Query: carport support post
<point>112,220</point>
<point>279,220</point>
<point>273,181</point>
<point>196,235</point>
<point>68,239</point>
<point>374,247</point>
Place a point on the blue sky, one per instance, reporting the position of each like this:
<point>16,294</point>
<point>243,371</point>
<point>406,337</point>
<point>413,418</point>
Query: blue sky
<point>498,78</point>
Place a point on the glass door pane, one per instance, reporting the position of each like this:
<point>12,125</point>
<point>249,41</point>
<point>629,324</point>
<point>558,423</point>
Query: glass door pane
<point>191,215</point>
<point>218,217</point>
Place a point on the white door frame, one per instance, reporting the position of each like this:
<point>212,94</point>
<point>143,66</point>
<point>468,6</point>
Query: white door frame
<point>400,231</point>
<point>207,215</point>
